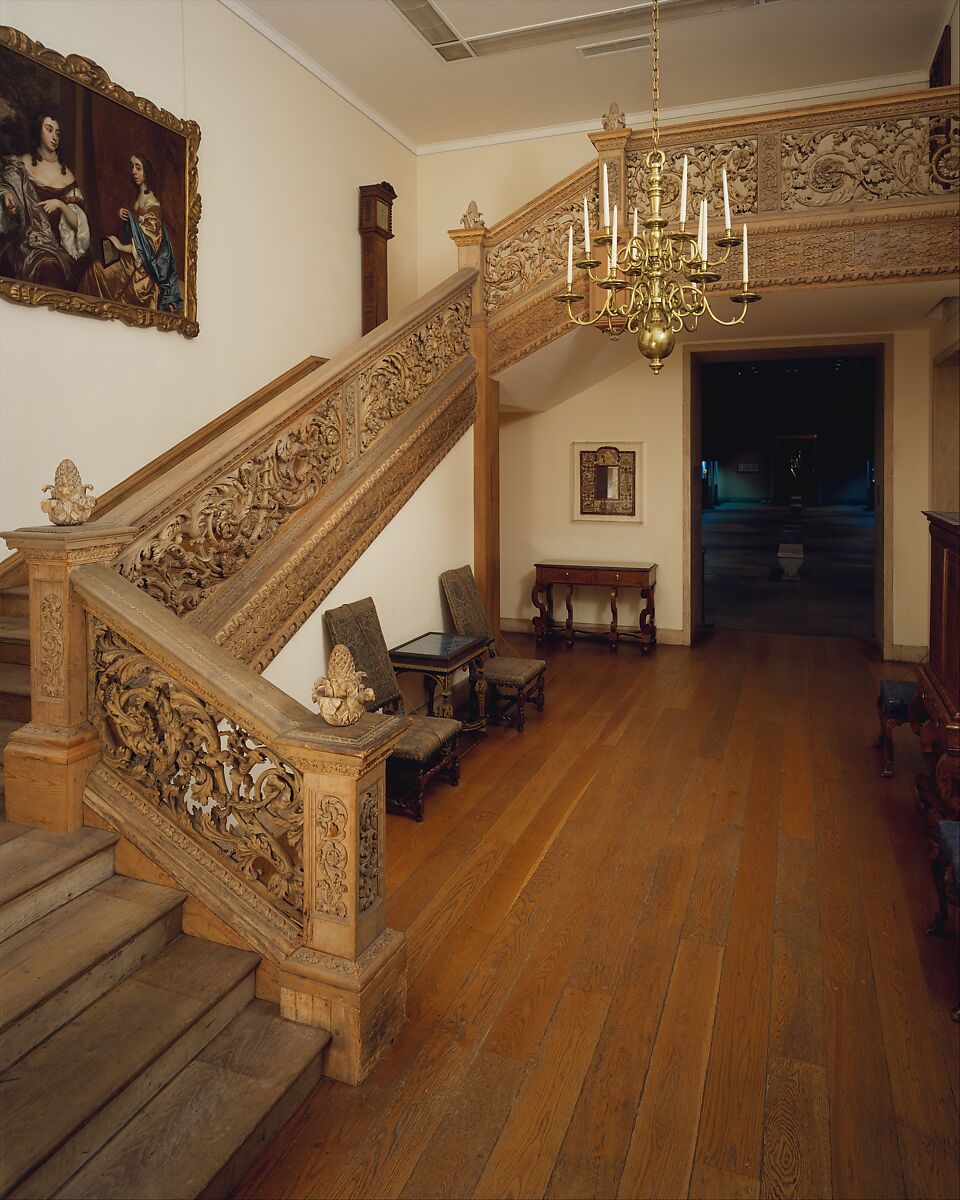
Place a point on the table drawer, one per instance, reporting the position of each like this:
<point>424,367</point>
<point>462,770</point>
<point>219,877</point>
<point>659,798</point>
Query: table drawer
<point>571,575</point>
<point>623,578</point>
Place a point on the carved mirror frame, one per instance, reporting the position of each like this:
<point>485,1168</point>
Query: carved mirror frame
<point>607,481</point>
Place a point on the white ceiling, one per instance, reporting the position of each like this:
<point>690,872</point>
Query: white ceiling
<point>711,61</point>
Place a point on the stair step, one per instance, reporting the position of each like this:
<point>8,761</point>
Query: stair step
<point>10,830</point>
<point>15,602</point>
<point>14,692</point>
<point>14,639</point>
<point>43,870</point>
<point>113,1058</point>
<point>60,964</point>
<point>200,1135</point>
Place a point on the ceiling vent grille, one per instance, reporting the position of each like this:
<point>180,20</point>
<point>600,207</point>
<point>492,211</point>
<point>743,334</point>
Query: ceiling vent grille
<point>620,46</point>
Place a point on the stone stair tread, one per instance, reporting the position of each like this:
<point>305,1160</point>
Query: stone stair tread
<point>43,958</point>
<point>205,1128</point>
<point>105,1049</point>
<point>39,855</point>
<point>10,830</point>
<point>15,680</point>
<point>15,628</point>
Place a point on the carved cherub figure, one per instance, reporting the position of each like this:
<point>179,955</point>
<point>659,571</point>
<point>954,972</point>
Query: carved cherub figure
<point>69,503</point>
<point>341,695</point>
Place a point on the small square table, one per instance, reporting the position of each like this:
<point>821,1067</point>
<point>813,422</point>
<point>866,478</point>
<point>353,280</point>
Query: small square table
<point>438,657</point>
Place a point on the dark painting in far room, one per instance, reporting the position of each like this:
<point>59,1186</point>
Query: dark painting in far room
<point>98,193</point>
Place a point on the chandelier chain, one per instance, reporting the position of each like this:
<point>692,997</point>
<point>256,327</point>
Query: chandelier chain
<point>655,120</point>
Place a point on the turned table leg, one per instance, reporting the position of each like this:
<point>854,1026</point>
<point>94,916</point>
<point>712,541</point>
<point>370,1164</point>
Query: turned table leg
<point>648,626</point>
<point>539,621</point>
<point>614,637</point>
<point>568,626</point>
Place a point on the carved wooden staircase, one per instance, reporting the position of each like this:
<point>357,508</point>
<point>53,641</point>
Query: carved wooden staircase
<point>14,655</point>
<point>136,1060</point>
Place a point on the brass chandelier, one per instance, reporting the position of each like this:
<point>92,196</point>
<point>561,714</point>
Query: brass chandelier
<point>656,278</point>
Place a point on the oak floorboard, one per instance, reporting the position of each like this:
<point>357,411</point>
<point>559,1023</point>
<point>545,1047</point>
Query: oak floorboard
<point>731,1129</point>
<point>521,1161</point>
<point>660,1155</point>
<point>724,798</point>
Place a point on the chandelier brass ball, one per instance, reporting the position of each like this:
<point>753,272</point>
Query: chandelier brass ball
<point>656,340</point>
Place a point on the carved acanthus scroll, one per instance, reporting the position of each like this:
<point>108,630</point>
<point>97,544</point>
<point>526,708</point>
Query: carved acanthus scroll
<point>369,867</point>
<point>419,360</point>
<point>51,647</point>
<point>235,795</point>
<point>331,868</point>
<point>705,163</point>
<point>537,253</point>
<point>895,159</point>
<point>221,528</point>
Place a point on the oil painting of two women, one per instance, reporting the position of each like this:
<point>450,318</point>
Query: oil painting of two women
<point>88,193</point>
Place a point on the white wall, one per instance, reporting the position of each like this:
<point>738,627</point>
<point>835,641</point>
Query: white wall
<point>280,160</point>
<point>536,482</point>
<point>911,487</point>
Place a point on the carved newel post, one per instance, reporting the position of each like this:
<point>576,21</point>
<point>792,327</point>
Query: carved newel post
<point>350,977</point>
<point>46,762</point>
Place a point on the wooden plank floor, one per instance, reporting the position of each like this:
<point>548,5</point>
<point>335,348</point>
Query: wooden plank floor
<point>667,942</point>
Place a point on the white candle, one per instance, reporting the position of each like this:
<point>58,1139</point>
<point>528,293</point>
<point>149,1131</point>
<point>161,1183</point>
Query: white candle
<point>683,194</point>
<point>726,201</point>
<point>606,199</point>
<point>570,258</point>
<point>746,272</point>
<point>613,245</point>
<point>701,232</point>
<point>634,222</point>
<point>586,229</point>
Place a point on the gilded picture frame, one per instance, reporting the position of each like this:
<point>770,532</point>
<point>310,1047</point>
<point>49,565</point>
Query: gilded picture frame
<point>607,481</point>
<point>99,199</point>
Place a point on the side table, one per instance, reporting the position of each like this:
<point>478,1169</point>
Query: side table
<point>438,657</point>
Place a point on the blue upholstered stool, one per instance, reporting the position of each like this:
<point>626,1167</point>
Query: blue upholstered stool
<point>945,863</point>
<point>893,708</point>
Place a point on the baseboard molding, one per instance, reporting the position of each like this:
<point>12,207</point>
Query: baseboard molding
<point>910,654</point>
<point>666,637</point>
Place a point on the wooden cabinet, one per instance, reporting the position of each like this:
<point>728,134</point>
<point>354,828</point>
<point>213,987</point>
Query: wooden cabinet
<point>940,675</point>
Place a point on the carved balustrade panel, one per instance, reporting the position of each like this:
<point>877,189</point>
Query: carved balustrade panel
<point>885,160</point>
<point>705,163</point>
<point>371,848</point>
<point>203,540</point>
<point>231,792</point>
<point>536,250</point>
<point>418,360</point>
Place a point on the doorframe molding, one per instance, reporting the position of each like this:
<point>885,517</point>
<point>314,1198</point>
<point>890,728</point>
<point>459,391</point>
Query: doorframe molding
<point>877,346</point>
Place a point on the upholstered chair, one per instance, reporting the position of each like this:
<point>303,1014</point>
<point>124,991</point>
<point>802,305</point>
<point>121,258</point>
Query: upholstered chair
<point>510,681</point>
<point>945,862</point>
<point>431,744</point>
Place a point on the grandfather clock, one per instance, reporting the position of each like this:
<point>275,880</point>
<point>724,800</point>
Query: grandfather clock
<point>376,229</point>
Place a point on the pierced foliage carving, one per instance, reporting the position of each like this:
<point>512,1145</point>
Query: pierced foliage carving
<point>236,796</point>
<point>51,647</point>
<point>895,159</point>
<point>705,163</point>
<point>422,357</point>
<point>211,538</point>
<point>331,888</point>
<point>519,263</point>
<point>369,848</point>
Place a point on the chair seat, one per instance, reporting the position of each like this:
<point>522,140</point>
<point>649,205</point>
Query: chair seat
<point>426,739</point>
<point>895,698</point>
<point>516,671</point>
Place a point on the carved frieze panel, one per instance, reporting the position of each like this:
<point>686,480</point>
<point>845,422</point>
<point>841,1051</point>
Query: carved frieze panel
<point>883,160</point>
<point>232,793</point>
<point>536,324</point>
<point>705,163</point>
<point>332,858</point>
<point>219,530</point>
<point>370,844</point>
<point>535,253</point>
<point>411,367</point>
<point>51,647</point>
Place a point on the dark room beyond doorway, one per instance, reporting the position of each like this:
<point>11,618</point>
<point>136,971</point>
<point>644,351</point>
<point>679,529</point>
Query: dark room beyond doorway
<point>788,491</point>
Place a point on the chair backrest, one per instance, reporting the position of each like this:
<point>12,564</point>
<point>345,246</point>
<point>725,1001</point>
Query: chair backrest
<point>466,607</point>
<point>357,626</point>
